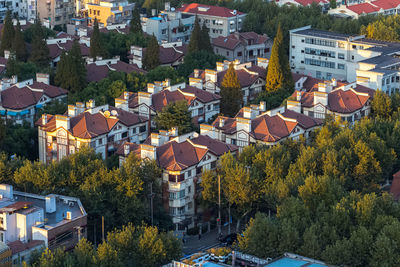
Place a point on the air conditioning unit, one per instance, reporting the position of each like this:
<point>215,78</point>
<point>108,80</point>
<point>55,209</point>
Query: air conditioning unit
<point>69,215</point>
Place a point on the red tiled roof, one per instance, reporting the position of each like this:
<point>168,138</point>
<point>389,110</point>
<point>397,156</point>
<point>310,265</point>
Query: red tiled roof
<point>178,156</point>
<point>87,125</point>
<point>96,73</point>
<point>133,148</point>
<point>55,50</point>
<point>19,246</point>
<point>217,11</point>
<point>363,8</point>
<point>169,55</point>
<point>21,98</point>
<point>16,206</point>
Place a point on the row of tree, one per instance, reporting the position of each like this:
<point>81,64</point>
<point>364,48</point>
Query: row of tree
<point>323,196</point>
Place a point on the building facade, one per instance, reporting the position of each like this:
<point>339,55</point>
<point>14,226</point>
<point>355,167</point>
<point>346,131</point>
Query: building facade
<point>55,12</point>
<point>182,160</point>
<point>243,46</point>
<point>327,55</point>
<point>103,128</point>
<point>109,12</point>
<point>220,21</point>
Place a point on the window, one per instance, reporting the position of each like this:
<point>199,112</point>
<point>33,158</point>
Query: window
<point>124,135</point>
<point>100,141</point>
<point>213,164</point>
<point>134,130</point>
<point>340,56</point>
<point>199,170</point>
<point>318,52</point>
<point>142,129</point>
<point>189,189</point>
<point>321,42</point>
<point>227,53</point>
<point>239,54</point>
<point>233,141</point>
<point>292,57</point>
<point>352,57</point>
<point>293,46</point>
<point>320,63</point>
<point>176,178</point>
<point>340,66</point>
<point>354,46</point>
<point>341,45</point>
<point>201,111</point>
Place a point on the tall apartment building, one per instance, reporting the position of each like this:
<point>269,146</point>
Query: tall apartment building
<point>103,128</point>
<point>53,220</point>
<point>327,55</point>
<point>55,12</point>
<point>109,12</point>
<point>170,26</point>
<point>220,21</point>
<point>182,160</point>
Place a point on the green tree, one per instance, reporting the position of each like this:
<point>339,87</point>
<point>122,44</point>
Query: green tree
<point>196,38</point>
<point>71,71</point>
<point>175,115</point>
<point>231,93</point>
<point>135,26</point>
<point>7,34</point>
<point>96,44</point>
<point>18,45</point>
<point>279,74</point>
<point>151,57</point>
<point>381,105</point>
<point>40,51</point>
<point>205,43</point>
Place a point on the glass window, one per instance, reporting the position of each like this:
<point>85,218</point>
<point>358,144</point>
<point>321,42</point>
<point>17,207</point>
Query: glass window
<point>340,66</point>
<point>340,56</point>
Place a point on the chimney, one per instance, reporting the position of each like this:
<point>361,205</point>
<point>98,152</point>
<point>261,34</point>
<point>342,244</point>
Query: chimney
<point>123,103</point>
<point>144,98</point>
<point>250,112</point>
<point>243,124</point>
<point>298,95</point>
<point>127,149</point>
<point>72,111</point>
<point>236,64</point>
<point>196,73</point>
<point>155,139</point>
<point>262,106</point>
<point>51,203</point>
<point>294,106</point>
<point>14,79</point>
<point>7,191</point>
<point>198,83</point>
<point>148,151</point>
<point>90,104</point>
<point>80,107</point>
<point>221,122</point>
<point>167,83</point>
<point>325,87</point>
<point>220,66</point>
<point>62,121</point>
<point>334,82</point>
<point>154,12</point>
<point>208,130</point>
<point>211,75</point>
<point>321,97</point>
<point>262,62</point>
<point>7,54</point>
<point>68,215</point>
<point>44,119</point>
<point>43,78</point>
<point>173,131</point>
<point>154,88</point>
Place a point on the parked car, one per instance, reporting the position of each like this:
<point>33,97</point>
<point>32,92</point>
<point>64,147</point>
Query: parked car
<point>228,239</point>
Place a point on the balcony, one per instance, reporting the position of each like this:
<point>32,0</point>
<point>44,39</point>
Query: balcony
<point>176,203</point>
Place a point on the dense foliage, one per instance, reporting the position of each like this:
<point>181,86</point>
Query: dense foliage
<point>151,58</point>
<point>175,115</point>
<point>231,93</point>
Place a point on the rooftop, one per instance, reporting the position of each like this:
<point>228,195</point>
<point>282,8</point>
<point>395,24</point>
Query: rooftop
<point>217,11</point>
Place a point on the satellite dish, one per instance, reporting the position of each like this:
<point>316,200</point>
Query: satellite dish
<point>114,113</point>
<point>107,114</point>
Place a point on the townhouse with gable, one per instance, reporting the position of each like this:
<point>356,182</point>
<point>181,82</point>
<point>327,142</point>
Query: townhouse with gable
<point>182,160</point>
<point>202,105</point>
<point>103,128</point>
<point>251,78</point>
<point>255,125</point>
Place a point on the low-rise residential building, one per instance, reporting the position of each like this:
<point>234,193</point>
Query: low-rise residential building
<point>243,46</point>
<point>182,160</point>
<point>255,125</point>
<point>103,128</point>
<point>171,54</point>
<point>324,4</point>
<point>170,25</point>
<point>20,251</point>
<point>109,11</point>
<point>55,13</point>
<point>327,55</point>
<point>220,21</point>
<point>54,221</point>
<point>377,7</point>
<point>20,101</point>
<point>97,70</point>
<point>349,101</point>
<point>251,78</point>
<point>63,43</point>
<point>202,105</point>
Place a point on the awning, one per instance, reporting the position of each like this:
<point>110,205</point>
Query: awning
<point>26,111</point>
<point>39,105</point>
<point>2,112</point>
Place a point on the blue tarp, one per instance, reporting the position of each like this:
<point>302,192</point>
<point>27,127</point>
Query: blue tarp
<point>2,112</point>
<point>39,105</point>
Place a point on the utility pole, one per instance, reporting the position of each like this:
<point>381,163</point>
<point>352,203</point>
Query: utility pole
<point>219,204</point>
<point>95,235</point>
<point>229,219</point>
<point>102,228</point>
<point>151,202</point>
